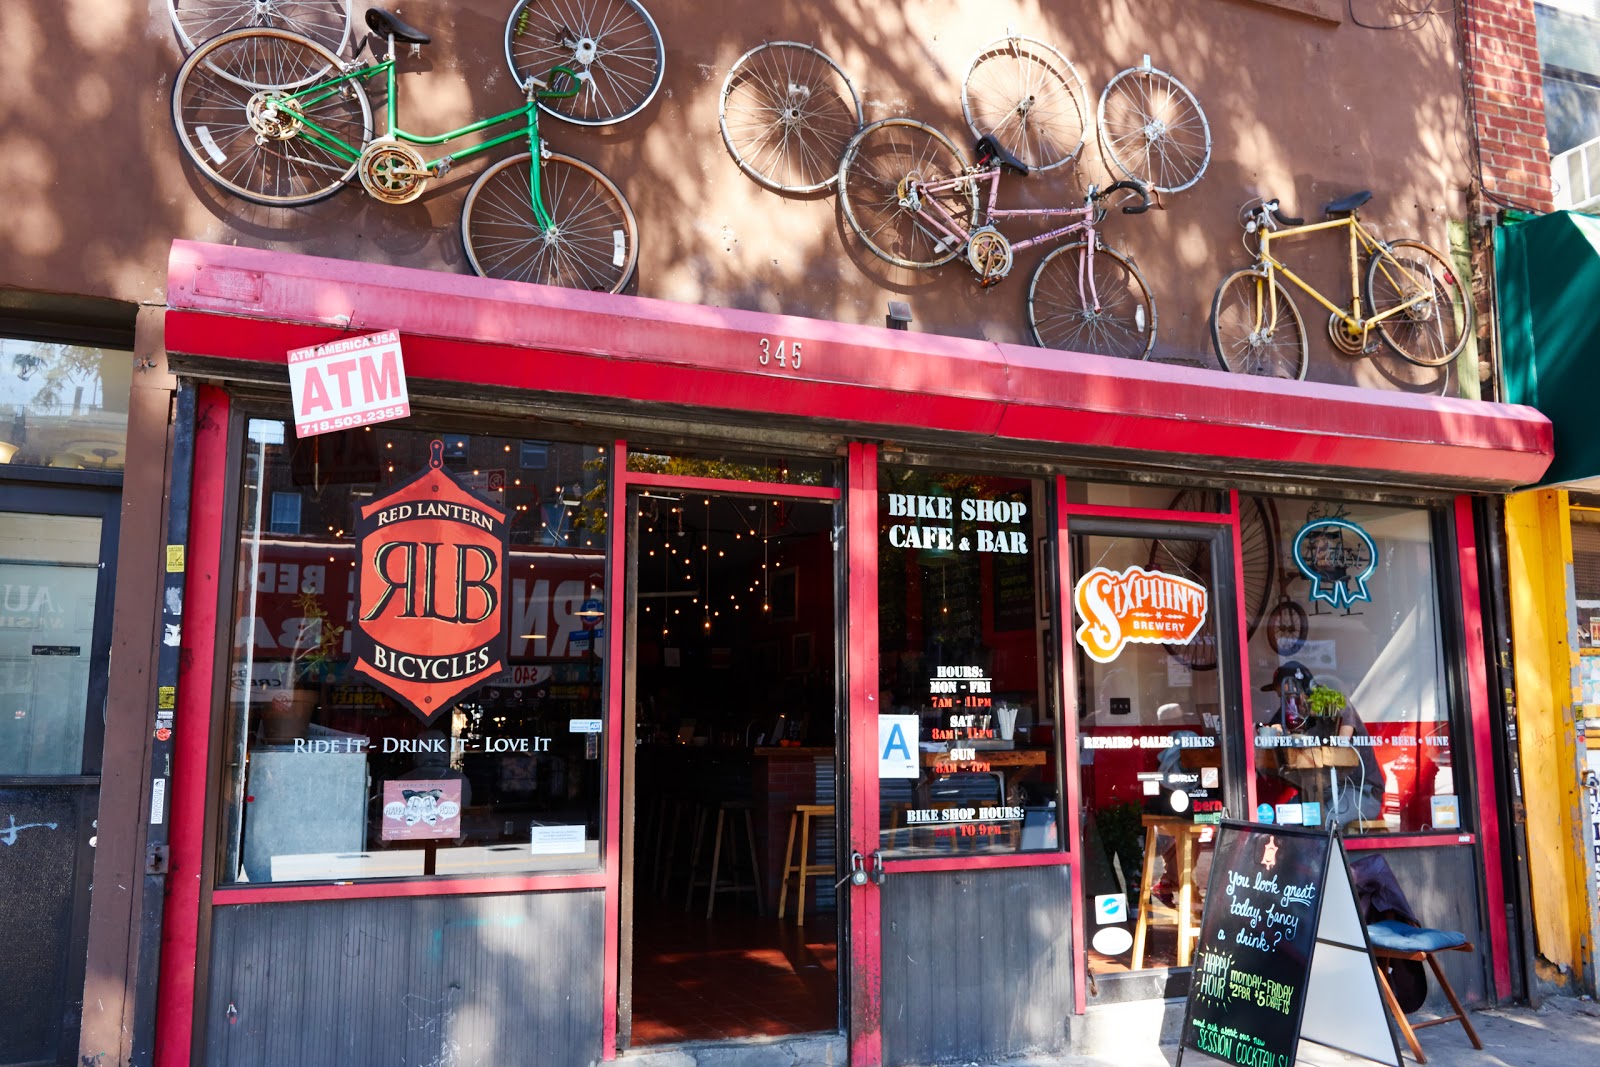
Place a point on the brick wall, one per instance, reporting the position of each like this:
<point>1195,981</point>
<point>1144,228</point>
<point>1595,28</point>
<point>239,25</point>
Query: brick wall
<point>1502,56</point>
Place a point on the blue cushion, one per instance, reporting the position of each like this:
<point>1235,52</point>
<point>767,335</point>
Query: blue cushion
<point>1403,937</point>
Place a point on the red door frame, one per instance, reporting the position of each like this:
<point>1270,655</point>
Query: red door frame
<point>1067,511</point>
<point>626,481</point>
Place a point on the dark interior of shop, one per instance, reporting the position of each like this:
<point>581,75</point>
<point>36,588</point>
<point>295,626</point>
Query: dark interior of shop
<point>734,777</point>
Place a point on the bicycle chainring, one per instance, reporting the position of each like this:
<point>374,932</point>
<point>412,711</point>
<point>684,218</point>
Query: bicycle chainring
<point>1351,344</point>
<point>989,253</point>
<point>392,172</point>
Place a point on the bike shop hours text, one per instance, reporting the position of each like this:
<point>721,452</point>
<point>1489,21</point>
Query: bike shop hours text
<point>934,518</point>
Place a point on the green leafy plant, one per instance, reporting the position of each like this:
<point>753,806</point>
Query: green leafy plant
<point>316,645</point>
<point>1326,701</point>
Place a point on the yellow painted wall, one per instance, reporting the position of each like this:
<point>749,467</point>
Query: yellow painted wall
<point>1539,561</point>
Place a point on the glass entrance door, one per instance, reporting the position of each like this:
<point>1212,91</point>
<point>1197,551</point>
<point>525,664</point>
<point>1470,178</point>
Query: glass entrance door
<point>56,553</point>
<point>732,709</point>
<point>1158,712</point>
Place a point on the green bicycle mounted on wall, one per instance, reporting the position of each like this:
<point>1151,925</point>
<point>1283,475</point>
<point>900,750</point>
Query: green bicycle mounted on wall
<point>277,119</point>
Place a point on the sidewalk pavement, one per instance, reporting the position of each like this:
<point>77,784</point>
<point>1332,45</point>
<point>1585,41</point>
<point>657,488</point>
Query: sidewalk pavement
<point>1563,1032</point>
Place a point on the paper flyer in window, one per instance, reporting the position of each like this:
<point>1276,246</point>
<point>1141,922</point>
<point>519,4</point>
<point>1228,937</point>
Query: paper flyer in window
<point>422,809</point>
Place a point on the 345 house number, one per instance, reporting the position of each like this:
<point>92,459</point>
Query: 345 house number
<point>771,353</point>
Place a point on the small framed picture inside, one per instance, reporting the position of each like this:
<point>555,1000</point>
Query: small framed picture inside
<point>801,658</point>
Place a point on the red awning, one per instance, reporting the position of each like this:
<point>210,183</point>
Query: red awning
<point>248,305</point>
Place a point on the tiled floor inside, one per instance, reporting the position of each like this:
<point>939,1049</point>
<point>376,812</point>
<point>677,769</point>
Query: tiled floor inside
<point>736,975</point>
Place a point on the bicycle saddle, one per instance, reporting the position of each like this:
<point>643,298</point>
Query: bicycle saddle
<point>384,24</point>
<point>989,150</point>
<point>1348,204</point>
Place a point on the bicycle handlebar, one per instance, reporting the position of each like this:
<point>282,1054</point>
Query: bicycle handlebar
<point>540,87</point>
<point>1138,187</point>
<point>1279,217</point>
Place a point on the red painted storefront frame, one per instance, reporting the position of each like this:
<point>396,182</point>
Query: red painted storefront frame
<point>238,307</point>
<point>244,308</point>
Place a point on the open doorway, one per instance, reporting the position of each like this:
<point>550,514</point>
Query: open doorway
<point>734,712</point>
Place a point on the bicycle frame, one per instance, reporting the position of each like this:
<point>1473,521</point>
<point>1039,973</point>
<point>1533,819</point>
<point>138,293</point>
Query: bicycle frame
<point>952,230</point>
<point>528,112</point>
<point>1361,241</point>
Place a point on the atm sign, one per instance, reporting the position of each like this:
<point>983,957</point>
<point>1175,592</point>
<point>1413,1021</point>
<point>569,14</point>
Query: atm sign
<point>344,384</point>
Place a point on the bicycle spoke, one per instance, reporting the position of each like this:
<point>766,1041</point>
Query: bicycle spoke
<point>327,22</point>
<point>1029,98</point>
<point>886,156</point>
<point>251,115</point>
<point>1256,328</point>
<point>1421,310</point>
<point>591,227</point>
<point>1110,312</point>
<point>787,113</point>
<point>613,44</point>
<point>1153,129</point>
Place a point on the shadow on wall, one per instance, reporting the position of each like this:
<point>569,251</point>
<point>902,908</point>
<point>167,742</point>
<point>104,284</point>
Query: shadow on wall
<point>1300,108</point>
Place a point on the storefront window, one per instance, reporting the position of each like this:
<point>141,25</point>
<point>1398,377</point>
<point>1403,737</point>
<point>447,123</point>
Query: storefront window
<point>367,744</point>
<point>63,405</point>
<point>49,577</point>
<point>1352,713</point>
<point>777,468</point>
<point>1152,497</point>
<point>967,723</point>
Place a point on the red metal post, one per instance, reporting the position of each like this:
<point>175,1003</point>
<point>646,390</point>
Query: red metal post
<point>861,608</point>
<point>612,847</point>
<point>1482,740</point>
<point>192,731</point>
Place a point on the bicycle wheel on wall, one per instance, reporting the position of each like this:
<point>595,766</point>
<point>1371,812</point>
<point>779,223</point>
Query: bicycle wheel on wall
<point>1029,97</point>
<point>613,45</point>
<point>1153,129</point>
<point>593,245</point>
<point>876,168</point>
<point>1255,327</point>
<point>787,111</point>
<point>1064,314</point>
<point>244,117</point>
<point>1437,319</point>
<point>1258,560</point>
<point>327,22</point>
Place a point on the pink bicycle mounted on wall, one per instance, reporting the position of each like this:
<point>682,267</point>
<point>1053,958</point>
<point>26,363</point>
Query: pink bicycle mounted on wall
<point>913,199</point>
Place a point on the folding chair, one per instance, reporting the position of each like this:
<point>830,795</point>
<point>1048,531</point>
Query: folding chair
<point>1397,934</point>
<point>1396,940</point>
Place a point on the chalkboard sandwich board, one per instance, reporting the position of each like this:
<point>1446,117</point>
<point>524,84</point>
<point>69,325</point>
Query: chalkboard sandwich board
<point>1283,971</point>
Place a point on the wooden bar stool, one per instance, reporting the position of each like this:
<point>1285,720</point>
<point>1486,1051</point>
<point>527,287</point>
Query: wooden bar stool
<point>803,868</point>
<point>1184,833</point>
<point>726,829</point>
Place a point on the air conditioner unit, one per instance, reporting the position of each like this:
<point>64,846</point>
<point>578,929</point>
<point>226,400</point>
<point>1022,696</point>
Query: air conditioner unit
<point>1576,176</point>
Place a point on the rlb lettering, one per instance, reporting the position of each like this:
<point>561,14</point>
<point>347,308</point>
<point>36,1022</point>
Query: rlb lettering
<point>411,569</point>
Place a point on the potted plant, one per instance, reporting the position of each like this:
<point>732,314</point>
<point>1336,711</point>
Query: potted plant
<point>316,645</point>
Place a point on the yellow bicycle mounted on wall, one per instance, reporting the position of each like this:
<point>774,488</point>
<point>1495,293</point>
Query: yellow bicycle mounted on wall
<point>1415,302</point>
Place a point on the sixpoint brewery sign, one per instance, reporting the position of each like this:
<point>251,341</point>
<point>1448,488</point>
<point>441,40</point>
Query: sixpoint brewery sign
<point>431,591</point>
<point>1145,607</point>
<point>354,382</point>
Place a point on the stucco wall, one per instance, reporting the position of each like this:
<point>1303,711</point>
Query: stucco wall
<point>1300,107</point>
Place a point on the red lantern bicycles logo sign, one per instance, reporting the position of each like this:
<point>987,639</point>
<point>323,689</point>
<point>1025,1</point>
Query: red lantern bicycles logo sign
<point>430,596</point>
<point>1139,606</point>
